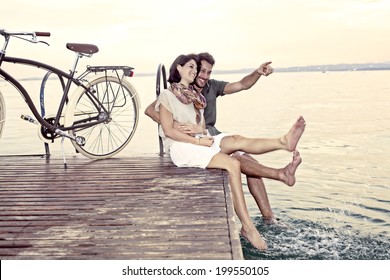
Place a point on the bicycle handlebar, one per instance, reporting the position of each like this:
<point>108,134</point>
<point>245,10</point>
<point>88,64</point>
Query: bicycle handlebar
<point>42,34</point>
<point>35,33</point>
<point>19,35</point>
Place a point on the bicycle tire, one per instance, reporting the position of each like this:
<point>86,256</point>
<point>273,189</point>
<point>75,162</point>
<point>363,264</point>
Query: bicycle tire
<point>106,139</point>
<point>2,113</point>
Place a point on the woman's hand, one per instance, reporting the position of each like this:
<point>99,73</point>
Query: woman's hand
<point>206,141</point>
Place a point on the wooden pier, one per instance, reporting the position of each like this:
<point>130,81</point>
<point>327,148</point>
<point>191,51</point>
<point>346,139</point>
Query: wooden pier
<point>118,208</point>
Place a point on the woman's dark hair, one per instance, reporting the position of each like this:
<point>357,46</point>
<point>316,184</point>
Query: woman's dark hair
<point>174,76</point>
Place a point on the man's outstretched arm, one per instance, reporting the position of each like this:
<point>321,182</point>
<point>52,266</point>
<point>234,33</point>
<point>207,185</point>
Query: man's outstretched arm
<point>248,81</point>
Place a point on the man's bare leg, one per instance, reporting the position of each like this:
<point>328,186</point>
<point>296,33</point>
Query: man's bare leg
<point>286,175</point>
<point>257,188</point>
<point>258,191</point>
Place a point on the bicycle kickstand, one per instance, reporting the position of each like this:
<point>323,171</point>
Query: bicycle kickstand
<point>63,152</point>
<point>78,139</point>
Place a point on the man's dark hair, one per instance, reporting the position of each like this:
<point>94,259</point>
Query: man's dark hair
<point>206,56</point>
<point>174,76</point>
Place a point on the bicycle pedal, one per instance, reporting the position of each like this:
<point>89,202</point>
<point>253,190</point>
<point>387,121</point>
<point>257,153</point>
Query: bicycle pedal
<point>29,119</point>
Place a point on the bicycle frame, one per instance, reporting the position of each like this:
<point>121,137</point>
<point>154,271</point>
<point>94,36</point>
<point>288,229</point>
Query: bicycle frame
<point>70,79</point>
<point>101,115</point>
<point>25,94</point>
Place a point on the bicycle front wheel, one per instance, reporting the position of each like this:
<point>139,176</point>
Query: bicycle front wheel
<point>2,113</point>
<point>114,101</point>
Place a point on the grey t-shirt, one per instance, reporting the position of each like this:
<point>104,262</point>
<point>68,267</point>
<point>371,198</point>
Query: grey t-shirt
<point>211,91</point>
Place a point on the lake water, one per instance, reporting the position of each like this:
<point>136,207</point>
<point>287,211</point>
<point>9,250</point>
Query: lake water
<point>340,206</point>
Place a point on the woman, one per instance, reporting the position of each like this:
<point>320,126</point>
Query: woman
<point>182,104</point>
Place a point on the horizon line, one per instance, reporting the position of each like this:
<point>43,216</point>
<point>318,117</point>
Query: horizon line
<point>311,68</point>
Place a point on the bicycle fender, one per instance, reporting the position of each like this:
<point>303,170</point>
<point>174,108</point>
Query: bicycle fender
<point>71,106</point>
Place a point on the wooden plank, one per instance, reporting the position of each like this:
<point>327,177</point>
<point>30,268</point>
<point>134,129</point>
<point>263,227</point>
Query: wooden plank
<point>119,208</point>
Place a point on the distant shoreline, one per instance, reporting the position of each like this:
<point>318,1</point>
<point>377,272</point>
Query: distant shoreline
<point>314,68</point>
<point>310,68</point>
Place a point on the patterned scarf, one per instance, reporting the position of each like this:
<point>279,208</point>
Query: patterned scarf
<point>189,95</point>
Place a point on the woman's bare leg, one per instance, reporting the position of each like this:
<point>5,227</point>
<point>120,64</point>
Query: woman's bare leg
<point>258,146</point>
<point>248,229</point>
<point>292,137</point>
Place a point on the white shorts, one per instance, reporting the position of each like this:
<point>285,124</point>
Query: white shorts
<point>190,155</point>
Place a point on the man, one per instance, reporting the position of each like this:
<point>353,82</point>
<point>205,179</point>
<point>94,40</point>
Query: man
<point>254,171</point>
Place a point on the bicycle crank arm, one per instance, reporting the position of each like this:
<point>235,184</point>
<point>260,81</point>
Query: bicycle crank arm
<point>78,139</point>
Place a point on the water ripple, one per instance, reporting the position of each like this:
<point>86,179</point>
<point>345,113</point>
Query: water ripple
<point>305,240</point>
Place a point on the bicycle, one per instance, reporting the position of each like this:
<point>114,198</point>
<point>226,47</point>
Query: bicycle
<point>2,113</point>
<point>101,116</point>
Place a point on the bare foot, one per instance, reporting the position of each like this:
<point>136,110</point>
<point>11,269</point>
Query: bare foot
<point>253,236</point>
<point>290,140</point>
<point>288,173</point>
<point>270,221</point>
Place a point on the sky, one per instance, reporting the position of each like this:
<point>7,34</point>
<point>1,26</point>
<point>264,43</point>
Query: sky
<point>239,34</point>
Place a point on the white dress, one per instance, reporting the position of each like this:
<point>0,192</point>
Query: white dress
<point>185,154</point>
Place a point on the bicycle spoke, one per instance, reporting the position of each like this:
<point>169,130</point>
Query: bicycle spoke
<point>118,120</point>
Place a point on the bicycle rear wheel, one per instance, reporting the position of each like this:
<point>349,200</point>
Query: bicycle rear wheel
<point>2,113</point>
<point>121,104</point>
